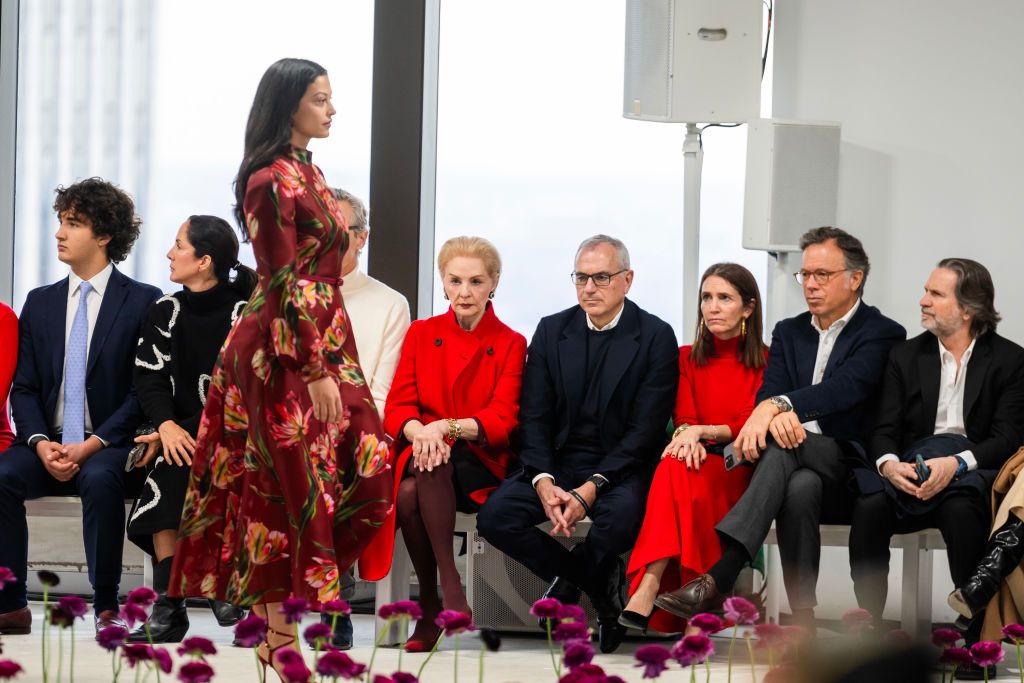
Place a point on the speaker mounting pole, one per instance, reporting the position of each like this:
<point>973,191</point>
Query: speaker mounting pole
<point>693,160</point>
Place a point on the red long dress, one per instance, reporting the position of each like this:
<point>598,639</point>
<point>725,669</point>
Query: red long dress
<point>279,503</point>
<point>684,506</point>
<point>8,361</point>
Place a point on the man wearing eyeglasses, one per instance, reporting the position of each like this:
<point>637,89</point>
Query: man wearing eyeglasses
<point>598,389</point>
<point>824,369</point>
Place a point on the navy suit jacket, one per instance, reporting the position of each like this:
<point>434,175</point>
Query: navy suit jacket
<point>638,390</point>
<point>841,402</point>
<point>42,328</point>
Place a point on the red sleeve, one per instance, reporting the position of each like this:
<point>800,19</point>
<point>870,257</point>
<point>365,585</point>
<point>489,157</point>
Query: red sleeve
<point>686,405</point>
<point>403,403</point>
<point>748,407</point>
<point>501,415</point>
<point>270,218</point>
<point>8,361</point>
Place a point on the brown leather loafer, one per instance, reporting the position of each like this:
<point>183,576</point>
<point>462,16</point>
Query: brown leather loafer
<point>109,617</point>
<point>699,595</point>
<point>18,622</point>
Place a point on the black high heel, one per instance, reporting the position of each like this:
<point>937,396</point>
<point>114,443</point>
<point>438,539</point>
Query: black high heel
<point>635,620</point>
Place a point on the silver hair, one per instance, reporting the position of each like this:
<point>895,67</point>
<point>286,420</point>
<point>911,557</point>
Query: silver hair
<point>621,253</point>
<point>358,208</point>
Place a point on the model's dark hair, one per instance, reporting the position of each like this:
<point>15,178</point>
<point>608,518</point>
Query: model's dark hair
<point>975,293</point>
<point>752,347</point>
<point>269,130</point>
<point>212,236</point>
<point>110,210</point>
<point>854,256</point>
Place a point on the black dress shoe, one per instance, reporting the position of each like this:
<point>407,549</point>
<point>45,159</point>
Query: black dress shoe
<point>610,635</point>
<point>564,591</point>
<point>694,597</point>
<point>225,613</point>
<point>342,639</point>
<point>973,672</point>
<point>635,621</point>
<point>168,622</point>
<point>607,599</point>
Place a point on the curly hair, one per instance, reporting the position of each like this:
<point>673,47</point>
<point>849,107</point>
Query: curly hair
<point>110,210</point>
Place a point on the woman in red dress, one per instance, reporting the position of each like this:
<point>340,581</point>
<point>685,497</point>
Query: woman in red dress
<point>452,407</point>
<point>8,361</point>
<point>290,478</point>
<point>690,493</point>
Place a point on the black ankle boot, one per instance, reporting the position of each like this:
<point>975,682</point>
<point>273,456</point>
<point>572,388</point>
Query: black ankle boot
<point>168,622</point>
<point>1005,552</point>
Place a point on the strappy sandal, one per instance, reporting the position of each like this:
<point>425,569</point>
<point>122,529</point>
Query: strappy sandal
<point>271,651</point>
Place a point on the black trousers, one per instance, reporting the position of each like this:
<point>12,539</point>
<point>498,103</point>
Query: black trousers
<point>102,484</point>
<point>509,519</point>
<point>963,521</point>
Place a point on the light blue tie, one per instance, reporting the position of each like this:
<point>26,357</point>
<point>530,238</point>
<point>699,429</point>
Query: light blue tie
<point>74,370</point>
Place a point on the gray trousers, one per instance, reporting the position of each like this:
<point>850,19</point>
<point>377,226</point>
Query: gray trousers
<point>798,488</point>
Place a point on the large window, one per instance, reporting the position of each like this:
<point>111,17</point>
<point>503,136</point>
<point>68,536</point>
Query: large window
<point>154,96</point>
<point>533,154</point>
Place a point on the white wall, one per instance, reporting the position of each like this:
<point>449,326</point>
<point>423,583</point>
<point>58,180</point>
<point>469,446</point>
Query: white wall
<point>932,159</point>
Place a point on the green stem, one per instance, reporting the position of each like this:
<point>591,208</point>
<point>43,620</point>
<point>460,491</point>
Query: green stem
<point>403,636</point>
<point>1020,665</point>
<point>260,668</point>
<point>456,663</point>
<point>693,674</point>
<point>943,673</point>
<point>732,643</point>
<point>707,669</point>
<point>60,654</point>
<point>46,622</point>
<point>376,644</point>
<point>419,674</point>
<point>483,650</point>
<point>149,637</point>
<point>138,672</point>
<point>551,649</point>
<point>115,669</point>
<point>750,651</point>
<point>71,664</point>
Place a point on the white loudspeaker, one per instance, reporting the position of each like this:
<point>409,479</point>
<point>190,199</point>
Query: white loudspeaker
<point>792,181</point>
<point>691,61</point>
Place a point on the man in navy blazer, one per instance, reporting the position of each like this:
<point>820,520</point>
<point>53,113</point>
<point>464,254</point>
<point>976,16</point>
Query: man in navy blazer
<point>72,399</point>
<point>598,389</point>
<point>824,370</point>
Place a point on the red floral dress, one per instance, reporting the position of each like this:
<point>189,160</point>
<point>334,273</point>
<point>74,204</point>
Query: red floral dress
<point>279,503</point>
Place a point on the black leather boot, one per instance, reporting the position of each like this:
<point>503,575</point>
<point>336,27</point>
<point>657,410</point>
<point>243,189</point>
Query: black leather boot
<point>168,622</point>
<point>225,613</point>
<point>1005,552</point>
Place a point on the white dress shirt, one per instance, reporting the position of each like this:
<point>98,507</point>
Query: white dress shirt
<point>826,342</point>
<point>949,414</point>
<point>380,318</point>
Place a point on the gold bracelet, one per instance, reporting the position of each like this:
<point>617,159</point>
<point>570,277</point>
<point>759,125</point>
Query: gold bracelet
<point>454,429</point>
<point>714,437</point>
<point>679,430</point>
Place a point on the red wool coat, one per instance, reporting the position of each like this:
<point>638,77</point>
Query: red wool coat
<point>447,372</point>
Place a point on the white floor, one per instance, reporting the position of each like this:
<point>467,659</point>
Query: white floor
<point>522,658</point>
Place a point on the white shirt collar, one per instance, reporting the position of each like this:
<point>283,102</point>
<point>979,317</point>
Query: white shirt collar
<point>98,281</point>
<point>609,326</point>
<point>839,324</point>
<point>947,357</point>
<point>354,280</point>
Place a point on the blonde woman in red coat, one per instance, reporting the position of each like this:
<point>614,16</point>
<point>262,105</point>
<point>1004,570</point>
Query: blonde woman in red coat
<point>452,408</point>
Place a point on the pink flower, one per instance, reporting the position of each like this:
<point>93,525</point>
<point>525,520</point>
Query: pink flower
<point>652,658</point>
<point>112,637</point>
<point>6,577</point>
<point>1014,632</point>
<point>586,673</point>
<point>572,613</point>
<point>571,630</point>
<point>454,622</point>
<point>335,607</point>
<point>769,635</point>
<point>987,653</point>
<point>133,612</point>
<point>692,650</point>
<point>402,608</point>
<point>740,611</point>
<point>162,658</point>
<point>251,631</point>
<point>858,620</point>
<point>546,608</point>
<point>9,669</point>
<point>945,637</point>
<point>577,653</point>
<point>957,656</point>
<point>338,664</point>
<point>707,623</point>
<point>135,653</point>
<point>195,672</point>
<point>197,646</point>
<point>294,609</point>
<point>296,672</point>
<point>317,634</point>
<point>142,596</point>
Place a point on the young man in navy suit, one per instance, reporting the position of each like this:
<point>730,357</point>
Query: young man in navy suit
<point>72,399</point>
<point>824,369</point>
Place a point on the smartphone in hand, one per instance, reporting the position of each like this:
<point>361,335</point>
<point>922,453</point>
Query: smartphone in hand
<point>922,469</point>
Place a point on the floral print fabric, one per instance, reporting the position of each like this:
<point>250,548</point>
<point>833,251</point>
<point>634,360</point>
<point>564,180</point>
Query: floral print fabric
<point>279,503</point>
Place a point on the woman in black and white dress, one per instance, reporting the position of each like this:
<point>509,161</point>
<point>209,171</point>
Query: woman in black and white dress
<point>174,362</point>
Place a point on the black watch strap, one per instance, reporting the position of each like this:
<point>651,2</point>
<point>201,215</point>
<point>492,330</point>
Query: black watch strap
<point>599,482</point>
<point>33,441</point>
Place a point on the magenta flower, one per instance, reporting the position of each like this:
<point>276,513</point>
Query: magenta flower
<point>137,652</point>
<point>73,605</point>
<point>337,664</point>
<point>251,631</point>
<point>59,616</point>
<point>987,653</point>
<point>317,634</point>
<point>577,653</point>
<point>336,608</point>
<point>692,650</point>
<point>133,612</point>
<point>740,611</point>
<point>195,672</point>
<point>957,656</point>
<point>143,595</point>
<point>945,637</point>
<point>652,658</point>
<point>570,630</point>
<point>546,608</point>
<point>585,673</point>
<point>163,659</point>
<point>572,613</point>
<point>296,672</point>
<point>288,656</point>
<point>1014,632</point>
<point>454,622</point>
<point>6,577</point>
<point>197,646</point>
<point>112,637</point>
<point>858,620</point>
<point>769,635</point>
<point>9,669</point>
<point>707,623</point>
<point>402,608</point>
<point>294,609</point>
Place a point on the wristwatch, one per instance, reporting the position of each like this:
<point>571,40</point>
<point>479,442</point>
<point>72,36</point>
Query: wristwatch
<point>599,482</point>
<point>961,468</point>
<point>35,439</point>
<point>782,404</point>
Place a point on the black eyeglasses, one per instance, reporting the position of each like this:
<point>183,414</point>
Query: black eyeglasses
<point>600,279</point>
<point>820,276</point>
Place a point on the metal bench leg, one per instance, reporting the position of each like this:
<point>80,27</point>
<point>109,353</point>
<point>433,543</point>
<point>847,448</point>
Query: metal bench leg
<point>916,605</point>
<point>773,580</point>
<point>392,588</point>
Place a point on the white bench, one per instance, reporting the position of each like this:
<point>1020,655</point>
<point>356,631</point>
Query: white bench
<point>916,609</point>
<point>71,506</point>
